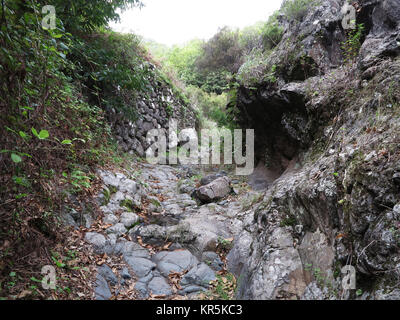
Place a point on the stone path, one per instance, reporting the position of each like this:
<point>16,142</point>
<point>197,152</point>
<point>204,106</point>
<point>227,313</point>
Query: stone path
<point>187,232</point>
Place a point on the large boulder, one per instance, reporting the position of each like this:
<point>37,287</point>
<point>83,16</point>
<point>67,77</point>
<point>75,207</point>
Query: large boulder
<point>214,191</point>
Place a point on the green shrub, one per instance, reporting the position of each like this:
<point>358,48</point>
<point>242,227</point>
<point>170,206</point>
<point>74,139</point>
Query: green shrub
<point>223,288</point>
<point>79,16</point>
<point>209,65</point>
<point>254,69</point>
<point>271,32</point>
<point>352,45</point>
<point>210,105</point>
<point>221,53</point>
<point>216,81</point>
<point>297,9</point>
<point>181,60</point>
<point>113,70</point>
<point>251,37</point>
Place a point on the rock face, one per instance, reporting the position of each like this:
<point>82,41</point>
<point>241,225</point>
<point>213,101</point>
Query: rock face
<point>331,140</point>
<point>383,38</point>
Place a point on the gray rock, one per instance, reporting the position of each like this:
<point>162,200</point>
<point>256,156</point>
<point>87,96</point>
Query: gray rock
<point>101,290</point>
<point>173,209</point>
<point>200,275</point>
<point>273,272</point>
<point>313,292</point>
<point>187,186</point>
<point>133,249</point>
<point>159,286</point>
<point>125,274</point>
<point>137,147</point>
<point>207,225</point>
<point>141,288</point>
<point>129,219</point>
<point>155,234</point>
<point>154,209</point>
<point>110,245</point>
<point>98,241</point>
<point>127,186</point>
<point>110,219</point>
<point>269,278</point>
<point>69,220</point>
<point>185,203</point>
<point>315,251</point>
<point>87,220</point>
<point>176,261</point>
<point>237,258</point>
<point>378,252</point>
<point>154,201</point>
<point>396,210</point>
<point>281,239</point>
<point>396,178</point>
<point>147,126</point>
<point>140,266</point>
<point>216,190</point>
<point>149,277</point>
<point>375,48</point>
<point>106,272</point>
<point>116,198</point>
<point>76,219</point>
<point>191,289</point>
<point>213,260</point>
<point>387,294</point>
<point>118,229</point>
<point>109,178</point>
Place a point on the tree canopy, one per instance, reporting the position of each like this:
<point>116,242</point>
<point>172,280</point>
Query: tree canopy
<point>86,16</point>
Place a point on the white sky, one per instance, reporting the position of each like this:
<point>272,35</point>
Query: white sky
<point>177,21</point>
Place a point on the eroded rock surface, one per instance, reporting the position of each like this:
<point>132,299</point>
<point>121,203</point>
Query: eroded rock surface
<point>331,142</point>
<point>192,231</point>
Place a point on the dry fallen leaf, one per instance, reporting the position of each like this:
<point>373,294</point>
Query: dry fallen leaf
<point>383,153</point>
<point>166,247</point>
<point>175,279</point>
<point>155,297</point>
<point>201,296</point>
<point>340,236</point>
